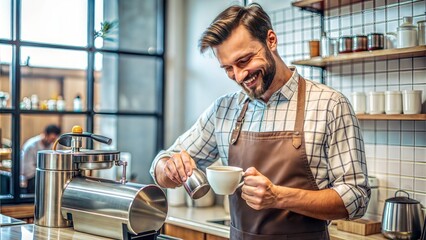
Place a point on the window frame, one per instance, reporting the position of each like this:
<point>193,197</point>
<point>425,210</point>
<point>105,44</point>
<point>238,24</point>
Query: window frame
<point>15,73</point>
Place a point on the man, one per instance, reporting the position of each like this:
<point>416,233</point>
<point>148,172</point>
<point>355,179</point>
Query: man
<point>29,155</point>
<point>298,140</point>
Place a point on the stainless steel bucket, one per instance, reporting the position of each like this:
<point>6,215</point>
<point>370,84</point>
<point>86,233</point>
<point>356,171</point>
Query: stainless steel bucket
<point>107,208</point>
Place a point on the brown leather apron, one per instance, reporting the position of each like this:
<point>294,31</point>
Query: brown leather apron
<point>280,156</point>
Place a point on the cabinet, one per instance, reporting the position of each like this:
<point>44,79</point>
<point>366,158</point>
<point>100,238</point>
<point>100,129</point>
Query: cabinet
<point>189,234</point>
<point>319,6</point>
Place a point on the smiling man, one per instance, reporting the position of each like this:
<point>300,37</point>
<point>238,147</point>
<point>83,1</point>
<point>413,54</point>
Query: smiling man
<point>298,140</point>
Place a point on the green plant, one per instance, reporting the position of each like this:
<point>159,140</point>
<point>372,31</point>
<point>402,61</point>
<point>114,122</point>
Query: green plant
<point>107,30</point>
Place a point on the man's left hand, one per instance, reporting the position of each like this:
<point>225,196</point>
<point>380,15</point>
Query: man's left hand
<point>258,191</point>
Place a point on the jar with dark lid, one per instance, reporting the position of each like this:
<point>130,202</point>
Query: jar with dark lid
<point>375,41</point>
<point>359,43</point>
<point>345,44</point>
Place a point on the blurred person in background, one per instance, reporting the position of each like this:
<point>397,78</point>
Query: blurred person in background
<point>30,148</point>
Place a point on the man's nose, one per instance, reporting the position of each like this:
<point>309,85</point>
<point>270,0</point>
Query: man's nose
<point>240,75</point>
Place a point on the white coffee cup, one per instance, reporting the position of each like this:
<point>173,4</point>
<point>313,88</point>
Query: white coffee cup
<point>412,101</point>
<point>224,180</point>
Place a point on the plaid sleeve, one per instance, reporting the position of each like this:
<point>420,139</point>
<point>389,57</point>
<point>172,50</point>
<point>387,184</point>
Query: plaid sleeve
<point>347,169</point>
<point>199,141</point>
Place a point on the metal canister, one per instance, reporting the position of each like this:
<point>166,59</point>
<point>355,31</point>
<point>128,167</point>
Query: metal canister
<point>376,41</point>
<point>54,169</point>
<point>107,208</point>
<point>345,44</point>
<point>359,43</point>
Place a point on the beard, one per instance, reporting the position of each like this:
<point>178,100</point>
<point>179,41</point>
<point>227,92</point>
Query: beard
<point>266,80</point>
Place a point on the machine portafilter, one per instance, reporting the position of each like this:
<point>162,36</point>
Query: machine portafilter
<point>65,197</point>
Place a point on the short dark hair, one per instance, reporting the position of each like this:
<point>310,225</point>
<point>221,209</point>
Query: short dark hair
<point>52,129</point>
<point>252,17</point>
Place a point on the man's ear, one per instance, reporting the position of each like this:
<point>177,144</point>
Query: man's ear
<point>271,40</point>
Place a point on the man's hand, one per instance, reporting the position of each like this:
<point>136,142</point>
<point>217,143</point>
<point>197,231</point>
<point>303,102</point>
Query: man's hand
<point>258,191</point>
<point>173,171</point>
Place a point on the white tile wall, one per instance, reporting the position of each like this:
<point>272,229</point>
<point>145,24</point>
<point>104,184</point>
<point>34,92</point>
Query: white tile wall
<point>396,166</point>
<point>394,173</point>
<point>395,150</point>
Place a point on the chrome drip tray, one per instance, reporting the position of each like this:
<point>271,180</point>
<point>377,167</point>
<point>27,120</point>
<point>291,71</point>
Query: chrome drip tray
<point>224,222</point>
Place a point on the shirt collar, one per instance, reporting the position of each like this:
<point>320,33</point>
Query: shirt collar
<point>287,90</point>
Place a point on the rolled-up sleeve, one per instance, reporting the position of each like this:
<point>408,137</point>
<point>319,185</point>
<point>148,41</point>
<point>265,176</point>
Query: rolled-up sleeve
<point>199,141</point>
<point>346,159</point>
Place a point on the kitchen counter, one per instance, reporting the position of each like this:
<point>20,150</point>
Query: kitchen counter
<point>31,231</point>
<point>198,219</point>
<point>8,221</point>
<point>34,232</point>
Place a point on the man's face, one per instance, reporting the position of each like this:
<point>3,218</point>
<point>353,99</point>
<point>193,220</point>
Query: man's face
<point>247,61</point>
<point>50,138</point>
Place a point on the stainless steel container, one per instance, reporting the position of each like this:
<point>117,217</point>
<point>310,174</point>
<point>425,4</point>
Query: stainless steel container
<point>54,169</point>
<point>345,44</point>
<point>196,185</point>
<point>107,208</point>
<point>359,43</point>
<point>376,41</point>
<point>402,218</point>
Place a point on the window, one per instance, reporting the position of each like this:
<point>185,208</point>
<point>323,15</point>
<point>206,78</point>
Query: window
<point>109,53</point>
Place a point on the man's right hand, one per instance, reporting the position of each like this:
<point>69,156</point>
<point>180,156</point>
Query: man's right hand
<point>172,172</point>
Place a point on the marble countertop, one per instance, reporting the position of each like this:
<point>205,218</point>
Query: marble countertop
<point>8,221</point>
<point>34,232</point>
<point>31,231</point>
<point>198,219</point>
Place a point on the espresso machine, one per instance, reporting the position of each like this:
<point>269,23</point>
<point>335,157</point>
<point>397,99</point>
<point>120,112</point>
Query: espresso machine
<point>65,196</point>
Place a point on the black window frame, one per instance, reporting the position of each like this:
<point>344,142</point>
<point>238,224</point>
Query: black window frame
<point>15,112</point>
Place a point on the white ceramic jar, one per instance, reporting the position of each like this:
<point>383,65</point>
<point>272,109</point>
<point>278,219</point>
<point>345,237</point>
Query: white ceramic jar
<point>422,32</point>
<point>358,102</point>
<point>407,33</point>
<point>376,103</point>
<point>412,101</point>
<point>393,102</point>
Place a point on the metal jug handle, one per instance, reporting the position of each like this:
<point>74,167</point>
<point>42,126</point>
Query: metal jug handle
<point>123,179</point>
<point>408,195</point>
<point>74,138</point>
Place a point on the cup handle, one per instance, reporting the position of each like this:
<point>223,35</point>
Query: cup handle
<point>242,182</point>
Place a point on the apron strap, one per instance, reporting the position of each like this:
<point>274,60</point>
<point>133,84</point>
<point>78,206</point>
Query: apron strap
<point>239,125</point>
<point>300,113</point>
<point>298,125</point>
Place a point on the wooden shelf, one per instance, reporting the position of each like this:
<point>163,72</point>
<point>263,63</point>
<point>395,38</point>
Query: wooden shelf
<point>385,54</point>
<point>413,117</point>
<point>321,5</point>
<point>311,5</point>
